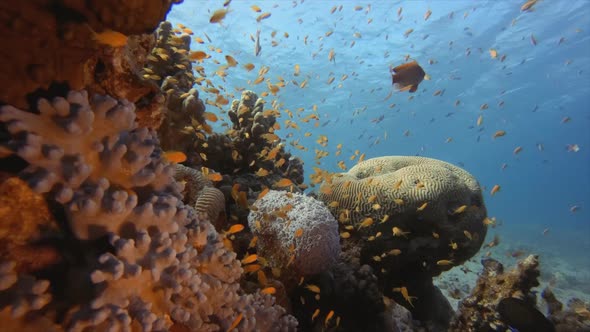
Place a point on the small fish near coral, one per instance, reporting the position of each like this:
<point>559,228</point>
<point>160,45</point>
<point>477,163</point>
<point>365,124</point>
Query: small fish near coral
<point>407,76</point>
<point>523,316</point>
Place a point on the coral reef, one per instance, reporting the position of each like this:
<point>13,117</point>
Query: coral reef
<point>295,232</point>
<point>53,41</point>
<point>410,218</point>
<point>161,266</point>
<point>427,211</point>
<point>252,147</point>
<point>116,72</point>
<point>477,312</point>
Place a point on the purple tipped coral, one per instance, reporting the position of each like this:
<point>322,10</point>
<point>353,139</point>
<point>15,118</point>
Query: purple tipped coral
<point>166,267</point>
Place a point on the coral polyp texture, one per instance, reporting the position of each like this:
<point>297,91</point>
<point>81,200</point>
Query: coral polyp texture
<point>163,268</point>
<point>295,231</point>
<point>409,212</point>
<point>200,193</point>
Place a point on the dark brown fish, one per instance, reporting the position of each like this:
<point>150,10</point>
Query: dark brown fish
<point>523,316</point>
<point>407,76</point>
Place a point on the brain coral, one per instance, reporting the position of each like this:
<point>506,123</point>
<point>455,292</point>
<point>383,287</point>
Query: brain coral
<point>414,211</point>
<point>165,267</point>
<point>294,229</point>
<point>200,193</point>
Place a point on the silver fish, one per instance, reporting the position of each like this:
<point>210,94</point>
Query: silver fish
<point>257,47</point>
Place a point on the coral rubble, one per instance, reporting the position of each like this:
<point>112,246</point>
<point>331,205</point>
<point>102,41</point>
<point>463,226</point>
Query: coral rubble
<point>161,266</point>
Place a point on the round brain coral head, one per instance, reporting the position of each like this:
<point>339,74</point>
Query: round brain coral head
<point>409,213</point>
<point>295,231</point>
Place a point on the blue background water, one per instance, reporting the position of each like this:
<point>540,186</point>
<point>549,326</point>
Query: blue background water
<point>539,85</point>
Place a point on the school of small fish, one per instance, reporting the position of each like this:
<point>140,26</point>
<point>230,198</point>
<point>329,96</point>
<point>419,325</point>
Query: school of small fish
<point>301,122</point>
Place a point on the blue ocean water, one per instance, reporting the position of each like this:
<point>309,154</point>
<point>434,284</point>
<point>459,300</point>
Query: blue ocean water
<point>539,94</point>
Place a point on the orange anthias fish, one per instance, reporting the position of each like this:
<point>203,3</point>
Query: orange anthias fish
<point>407,76</point>
<point>109,37</point>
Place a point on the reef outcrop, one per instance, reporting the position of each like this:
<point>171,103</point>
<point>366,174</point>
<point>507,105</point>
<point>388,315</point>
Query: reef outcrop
<point>412,218</point>
<point>52,43</point>
<point>574,317</point>
<point>478,311</point>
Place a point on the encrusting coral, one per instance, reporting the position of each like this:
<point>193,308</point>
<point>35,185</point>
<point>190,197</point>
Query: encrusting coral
<point>295,232</point>
<point>164,267</point>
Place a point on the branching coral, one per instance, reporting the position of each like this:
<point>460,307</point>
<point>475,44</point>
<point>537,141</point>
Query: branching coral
<point>166,266</point>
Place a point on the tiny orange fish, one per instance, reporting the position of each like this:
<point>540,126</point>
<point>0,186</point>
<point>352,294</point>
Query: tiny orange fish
<point>236,321</point>
<point>110,37</point>
<point>495,189</point>
<point>499,133</point>
<point>328,317</point>
<point>249,259</point>
<point>198,55</point>
<point>444,262</point>
<point>249,66</point>
<point>299,232</point>
<point>175,156</point>
<point>269,290</point>
<point>231,61</point>
<point>423,206</point>
<point>493,53</point>
<point>218,15</point>
<point>528,5</point>
<point>284,183</point>
<point>479,120</point>
<point>313,288</point>
<point>235,229</point>
<point>210,116</point>
<point>262,17</point>
<point>315,314</point>
<point>460,209</point>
